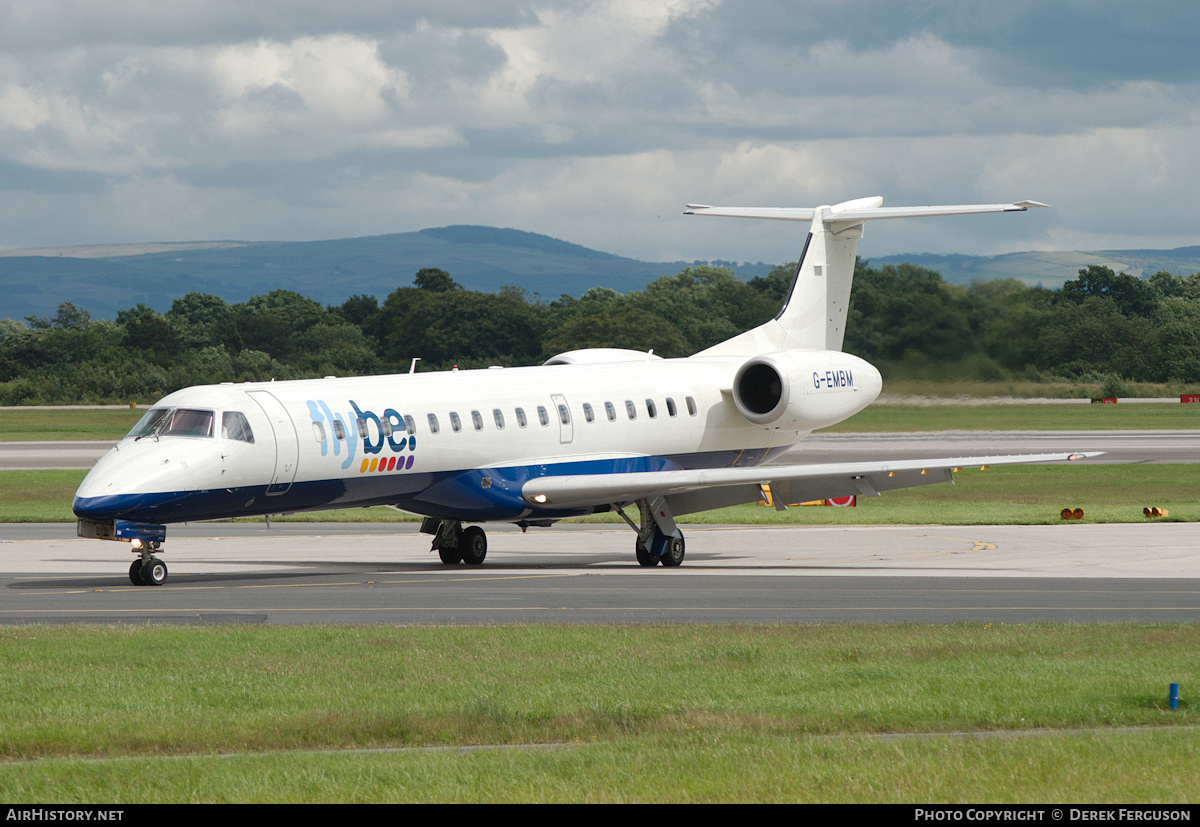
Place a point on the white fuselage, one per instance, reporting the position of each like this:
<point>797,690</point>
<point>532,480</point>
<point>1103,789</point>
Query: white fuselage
<point>455,444</point>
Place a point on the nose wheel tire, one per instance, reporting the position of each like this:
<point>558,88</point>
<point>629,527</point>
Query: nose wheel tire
<point>152,572</point>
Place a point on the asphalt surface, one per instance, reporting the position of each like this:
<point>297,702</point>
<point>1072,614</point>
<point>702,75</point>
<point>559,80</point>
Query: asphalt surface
<point>384,573</point>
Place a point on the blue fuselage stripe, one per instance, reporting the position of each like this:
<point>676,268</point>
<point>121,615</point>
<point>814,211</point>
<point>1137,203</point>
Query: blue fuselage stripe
<point>477,495</point>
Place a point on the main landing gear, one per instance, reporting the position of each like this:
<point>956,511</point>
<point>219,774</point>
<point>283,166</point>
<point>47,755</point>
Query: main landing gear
<point>147,570</point>
<point>455,544</point>
<point>659,540</point>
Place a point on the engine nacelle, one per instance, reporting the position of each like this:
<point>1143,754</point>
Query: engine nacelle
<point>804,390</point>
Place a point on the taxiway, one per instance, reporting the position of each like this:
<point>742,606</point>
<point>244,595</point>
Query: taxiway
<point>304,573</point>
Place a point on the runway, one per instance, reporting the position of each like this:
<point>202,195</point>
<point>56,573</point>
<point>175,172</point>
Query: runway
<point>384,573</point>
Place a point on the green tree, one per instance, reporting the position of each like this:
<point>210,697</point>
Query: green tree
<point>1132,296</point>
<point>202,319</point>
<point>906,311</point>
<point>458,327</point>
<point>270,322</point>
<point>624,327</point>
<point>147,331</point>
<point>435,280</point>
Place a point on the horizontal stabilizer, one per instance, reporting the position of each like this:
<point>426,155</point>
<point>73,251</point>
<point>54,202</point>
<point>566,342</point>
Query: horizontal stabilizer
<point>859,214</point>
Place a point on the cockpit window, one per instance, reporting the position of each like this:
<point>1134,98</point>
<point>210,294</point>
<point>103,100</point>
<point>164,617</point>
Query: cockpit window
<point>149,422</point>
<point>174,422</point>
<point>189,422</point>
<point>234,425</point>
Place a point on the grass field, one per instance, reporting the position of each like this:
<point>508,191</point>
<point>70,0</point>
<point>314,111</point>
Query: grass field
<point>66,424</point>
<point>638,713</point>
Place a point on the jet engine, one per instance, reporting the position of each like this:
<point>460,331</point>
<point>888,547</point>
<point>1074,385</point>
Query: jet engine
<point>804,390</point>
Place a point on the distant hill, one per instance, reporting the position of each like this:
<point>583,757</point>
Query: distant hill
<point>103,279</point>
<point>1050,269</point>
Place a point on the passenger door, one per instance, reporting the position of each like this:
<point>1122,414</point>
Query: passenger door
<point>287,442</point>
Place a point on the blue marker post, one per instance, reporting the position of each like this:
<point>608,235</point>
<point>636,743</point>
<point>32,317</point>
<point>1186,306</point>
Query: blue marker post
<point>1173,697</point>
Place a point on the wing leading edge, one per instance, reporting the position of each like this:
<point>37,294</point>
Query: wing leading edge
<point>699,490</point>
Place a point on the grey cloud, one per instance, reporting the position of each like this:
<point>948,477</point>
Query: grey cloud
<point>1036,43</point>
<point>63,24</point>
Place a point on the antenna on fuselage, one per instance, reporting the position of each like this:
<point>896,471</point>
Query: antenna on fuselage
<point>413,367</point>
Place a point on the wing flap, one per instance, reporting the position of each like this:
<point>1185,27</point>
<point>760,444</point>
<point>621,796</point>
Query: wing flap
<point>698,490</point>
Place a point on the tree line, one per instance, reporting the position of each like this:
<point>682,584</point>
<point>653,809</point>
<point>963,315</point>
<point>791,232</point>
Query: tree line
<point>903,318</point>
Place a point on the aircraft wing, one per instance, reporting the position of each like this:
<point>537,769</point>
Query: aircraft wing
<point>687,491</point>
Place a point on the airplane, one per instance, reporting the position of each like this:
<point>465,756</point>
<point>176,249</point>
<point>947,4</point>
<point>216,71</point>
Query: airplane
<point>588,431</point>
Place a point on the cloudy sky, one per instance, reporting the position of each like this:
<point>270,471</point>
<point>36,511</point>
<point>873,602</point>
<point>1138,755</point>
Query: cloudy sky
<point>173,120</point>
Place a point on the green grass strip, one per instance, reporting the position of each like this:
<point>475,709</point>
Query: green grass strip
<point>653,713</point>
<point>67,424</point>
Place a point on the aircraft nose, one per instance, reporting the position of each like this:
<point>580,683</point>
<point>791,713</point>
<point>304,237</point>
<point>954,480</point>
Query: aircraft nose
<point>106,491</point>
<point>97,509</point>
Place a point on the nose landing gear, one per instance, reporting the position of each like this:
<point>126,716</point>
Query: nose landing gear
<point>147,570</point>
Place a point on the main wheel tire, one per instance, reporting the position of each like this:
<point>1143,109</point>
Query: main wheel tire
<point>450,556</point>
<point>135,573</point>
<point>644,557</point>
<point>674,554</point>
<point>473,545</point>
<point>154,572</point>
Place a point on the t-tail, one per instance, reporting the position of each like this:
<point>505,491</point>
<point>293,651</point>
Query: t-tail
<point>813,316</point>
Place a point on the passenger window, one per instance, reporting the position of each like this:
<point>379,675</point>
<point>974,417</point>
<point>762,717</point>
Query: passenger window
<point>362,428</point>
<point>611,411</point>
<point>339,430</point>
<point>434,427</point>
<point>477,420</point>
<point>410,423</point>
<point>650,409</point>
<point>499,417</point>
<point>587,412</point>
<point>671,406</point>
<point>691,403</point>
<point>385,426</point>
<point>564,415</point>
<point>318,431</point>
<point>543,417</point>
<point>234,425</point>
<point>521,420</point>
<point>630,409</point>
<point>455,422</point>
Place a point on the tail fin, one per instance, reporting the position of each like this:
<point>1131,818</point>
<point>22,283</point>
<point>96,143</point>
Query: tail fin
<point>813,316</point>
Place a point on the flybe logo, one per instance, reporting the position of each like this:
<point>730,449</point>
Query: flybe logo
<point>386,441</point>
